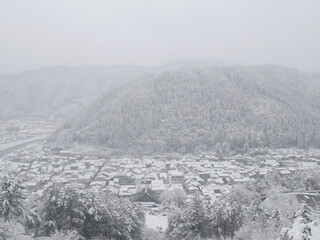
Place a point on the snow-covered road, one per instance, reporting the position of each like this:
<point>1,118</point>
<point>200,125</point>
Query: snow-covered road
<point>7,148</point>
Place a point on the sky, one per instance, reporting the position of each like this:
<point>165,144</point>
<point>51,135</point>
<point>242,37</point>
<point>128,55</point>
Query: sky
<point>39,33</point>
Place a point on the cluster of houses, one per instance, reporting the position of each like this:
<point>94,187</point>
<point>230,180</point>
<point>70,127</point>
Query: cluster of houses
<point>145,179</point>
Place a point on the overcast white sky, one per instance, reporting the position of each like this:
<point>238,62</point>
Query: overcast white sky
<point>37,33</point>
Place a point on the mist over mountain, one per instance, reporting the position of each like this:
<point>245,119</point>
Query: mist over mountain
<point>60,90</point>
<point>180,64</point>
<point>222,108</point>
<point>63,90</point>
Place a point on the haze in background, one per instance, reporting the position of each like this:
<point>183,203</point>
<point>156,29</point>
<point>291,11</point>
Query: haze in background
<point>37,33</point>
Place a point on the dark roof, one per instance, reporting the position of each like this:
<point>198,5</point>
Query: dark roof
<point>146,192</point>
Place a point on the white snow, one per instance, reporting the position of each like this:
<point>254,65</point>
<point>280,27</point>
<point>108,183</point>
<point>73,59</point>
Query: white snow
<point>156,221</point>
<point>315,230</point>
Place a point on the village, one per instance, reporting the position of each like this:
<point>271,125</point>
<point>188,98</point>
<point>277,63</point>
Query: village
<point>41,168</point>
<point>145,179</point>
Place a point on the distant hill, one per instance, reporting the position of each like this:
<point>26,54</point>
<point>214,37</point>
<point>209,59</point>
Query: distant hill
<point>219,108</point>
<point>60,90</point>
<point>179,65</point>
<point>63,90</point>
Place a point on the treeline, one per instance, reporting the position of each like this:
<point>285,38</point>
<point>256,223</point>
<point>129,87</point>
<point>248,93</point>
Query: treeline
<point>199,220</point>
<point>67,212</point>
<point>222,109</point>
<point>257,210</point>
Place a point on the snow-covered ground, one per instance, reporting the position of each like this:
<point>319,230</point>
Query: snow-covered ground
<point>156,221</point>
<point>315,230</point>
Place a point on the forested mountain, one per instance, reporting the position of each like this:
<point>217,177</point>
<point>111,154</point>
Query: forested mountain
<point>218,108</point>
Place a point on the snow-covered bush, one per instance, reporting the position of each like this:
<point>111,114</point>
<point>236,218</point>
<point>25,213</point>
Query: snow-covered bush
<point>11,230</point>
<point>305,227</point>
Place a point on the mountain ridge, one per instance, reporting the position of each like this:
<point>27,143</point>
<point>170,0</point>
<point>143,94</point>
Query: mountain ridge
<point>221,108</point>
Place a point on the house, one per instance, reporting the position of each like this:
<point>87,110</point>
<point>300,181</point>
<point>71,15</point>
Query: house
<point>126,180</point>
<point>176,176</point>
<point>204,176</point>
<point>146,195</point>
<point>158,186</point>
<point>272,163</point>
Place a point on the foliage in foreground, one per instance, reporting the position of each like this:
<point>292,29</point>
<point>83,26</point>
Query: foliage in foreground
<point>67,213</point>
<point>105,216</point>
<point>199,219</point>
<point>258,210</point>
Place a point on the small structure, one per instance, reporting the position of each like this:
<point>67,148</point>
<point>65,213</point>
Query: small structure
<point>126,180</point>
<point>176,176</point>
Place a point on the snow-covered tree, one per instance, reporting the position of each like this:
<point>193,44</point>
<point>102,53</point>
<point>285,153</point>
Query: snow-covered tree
<point>177,228</point>
<point>13,213</point>
<point>306,226</point>
<point>174,197</point>
<point>306,213</point>
<point>12,199</point>
<point>226,216</point>
<point>63,210</point>
<point>91,215</point>
<point>202,220</point>
<point>11,230</point>
<point>119,219</point>
<point>195,215</point>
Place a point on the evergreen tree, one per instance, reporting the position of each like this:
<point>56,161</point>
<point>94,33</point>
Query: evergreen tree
<point>226,216</point>
<point>199,220</point>
<point>306,213</point>
<point>91,215</point>
<point>11,199</point>
<point>64,209</point>
<point>177,228</point>
<point>195,215</point>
